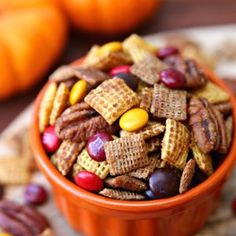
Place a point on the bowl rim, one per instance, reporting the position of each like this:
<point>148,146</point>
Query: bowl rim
<point>202,189</point>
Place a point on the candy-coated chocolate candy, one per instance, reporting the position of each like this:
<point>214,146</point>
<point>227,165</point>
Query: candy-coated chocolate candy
<point>173,78</point>
<point>167,51</point>
<point>50,140</point>
<point>35,194</point>
<point>78,91</point>
<point>164,182</point>
<point>119,69</point>
<point>89,181</point>
<point>5,234</point>
<point>95,145</point>
<point>133,119</point>
<point>110,47</point>
<point>130,79</point>
<point>150,195</point>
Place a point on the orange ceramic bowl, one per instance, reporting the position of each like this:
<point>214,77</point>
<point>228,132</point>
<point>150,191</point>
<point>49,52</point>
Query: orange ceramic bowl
<point>94,215</point>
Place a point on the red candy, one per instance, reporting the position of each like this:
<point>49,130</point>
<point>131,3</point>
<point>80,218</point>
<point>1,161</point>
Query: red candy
<point>50,140</point>
<point>35,194</point>
<point>167,51</point>
<point>234,206</point>
<point>120,69</point>
<point>173,78</point>
<point>95,146</point>
<point>89,181</point>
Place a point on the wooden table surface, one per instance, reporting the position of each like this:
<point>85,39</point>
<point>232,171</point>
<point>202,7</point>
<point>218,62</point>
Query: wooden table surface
<point>173,14</point>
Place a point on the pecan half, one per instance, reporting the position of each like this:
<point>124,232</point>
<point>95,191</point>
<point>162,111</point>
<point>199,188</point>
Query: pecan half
<point>195,77</point>
<point>21,220</point>
<point>208,126</point>
<point>79,122</point>
<point>203,124</point>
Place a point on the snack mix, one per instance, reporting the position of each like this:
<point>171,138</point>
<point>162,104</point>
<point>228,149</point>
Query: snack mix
<point>135,122</point>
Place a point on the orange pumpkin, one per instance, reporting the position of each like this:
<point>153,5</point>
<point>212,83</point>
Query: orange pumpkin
<point>33,33</point>
<point>108,16</point>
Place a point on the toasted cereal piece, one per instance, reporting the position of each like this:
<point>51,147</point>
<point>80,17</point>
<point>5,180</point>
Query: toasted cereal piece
<point>204,161</point>
<point>66,155</point>
<point>76,169</point>
<point>47,232</point>
<point>59,103</point>
<point>92,55</point>
<point>62,74</point>
<point>175,144</point>
<point>213,93</point>
<point>153,144</point>
<point>101,169</point>
<point>107,61</point>
<point>137,47</point>
<point>187,176</point>
<point>111,99</point>
<point>148,69</point>
<point>146,98</point>
<point>126,182</point>
<point>120,195</point>
<point>93,76</point>
<point>229,129</point>
<point>14,171</point>
<point>144,172</point>
<point>126,154</point>
<point>152,129</point>
<point>225,107</point>
<point>169,103</point>
<point>47,105</point>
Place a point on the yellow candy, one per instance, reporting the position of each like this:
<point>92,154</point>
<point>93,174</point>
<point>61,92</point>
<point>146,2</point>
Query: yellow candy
<point>78,91</point>
<point>110,47</point>
<point>5,234</point>
<point>133,119</point>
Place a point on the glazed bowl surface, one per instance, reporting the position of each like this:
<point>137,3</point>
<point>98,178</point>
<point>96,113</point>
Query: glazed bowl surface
<point>95,215</point>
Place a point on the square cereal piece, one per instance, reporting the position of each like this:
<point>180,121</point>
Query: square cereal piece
<point>146,98</point>
<point>144,172</point>
<point>175,144</point>
<point>101,169</point>
<point>213,93</point>
<point>169,103</point>
<point>111,99</point>
<point>126,154</point>
<point>204,161</point>
<point>148,69</point>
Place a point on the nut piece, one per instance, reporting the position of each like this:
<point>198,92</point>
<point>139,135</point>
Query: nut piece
<point>203,124</point>
<point>121,195</point>
<point>126,182</point>
<point>78,122</point>
<point>187,176</point>
<point>225,107</point>
<point>208,126</point>
<point>195,77</point>
<point>21,220</point>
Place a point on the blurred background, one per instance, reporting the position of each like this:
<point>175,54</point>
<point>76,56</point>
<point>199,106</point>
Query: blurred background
<point>39,35</point>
